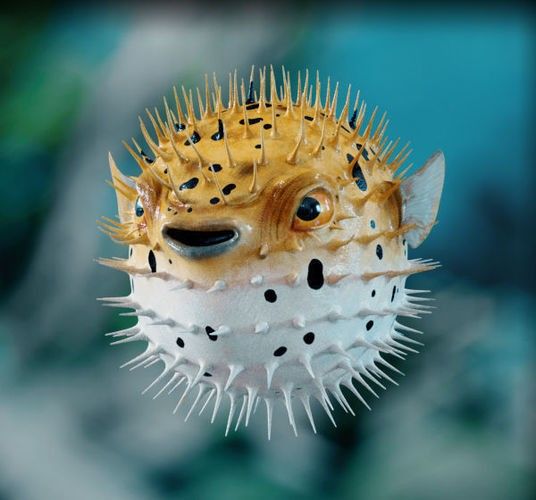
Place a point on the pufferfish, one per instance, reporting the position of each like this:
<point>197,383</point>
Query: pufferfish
<point>268,248</point>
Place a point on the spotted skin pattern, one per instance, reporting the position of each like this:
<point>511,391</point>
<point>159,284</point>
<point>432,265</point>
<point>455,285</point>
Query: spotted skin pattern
<point>268,248</point>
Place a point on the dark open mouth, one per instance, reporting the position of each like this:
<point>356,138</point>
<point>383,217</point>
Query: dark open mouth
<point>200,243</point>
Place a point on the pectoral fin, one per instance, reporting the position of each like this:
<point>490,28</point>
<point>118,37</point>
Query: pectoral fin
<point>421,193</point>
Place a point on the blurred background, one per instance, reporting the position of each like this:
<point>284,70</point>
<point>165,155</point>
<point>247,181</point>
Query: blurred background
<point>456,77</point>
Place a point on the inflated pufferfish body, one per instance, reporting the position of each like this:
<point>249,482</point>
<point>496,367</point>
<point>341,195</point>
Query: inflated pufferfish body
<point>268,248</point>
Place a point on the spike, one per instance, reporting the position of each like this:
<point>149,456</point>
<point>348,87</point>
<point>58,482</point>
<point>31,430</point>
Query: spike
<point>217,403</point>
<point>215,179</point>
<point>262,327</point>
<point>318,147</point>
<point>293,155</point>
<point>305,360</point>
<point>298,321</point>
<point>252,396</point>
<point>327,101</point>
<point>230,160</point>
<point>241,413</point>
<point>234,371</point>
<point>274,98</point>
<point>262,158</point>
<point>333,108</point>
<point>177,385</point>
<point>264,250</point>
<point>317,98</point>
<point>324,405</point>
<point>180,114</point>
<point>158,131</point>
<point>207,401</point>
<point>127,332</point>
<point>173,378</point>
<point>200,392</point>
<point>148,353</point>
<point>305,400</point>
<point>348,383</point>
<point>130,338</point>
<point>287,393</point>
<point>269,412</point>
<point>253,187</point>
<point>343,402</point>
<point>231,412</point>
<point>270,370</point>
<point>262,90</point>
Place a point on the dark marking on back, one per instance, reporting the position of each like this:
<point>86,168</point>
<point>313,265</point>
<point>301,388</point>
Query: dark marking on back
<point>228,188</point>
<point>195,138</point>
<point>190,184</point>
<point>218,136</point>
<point>359,177</point>
<point>251,121</point>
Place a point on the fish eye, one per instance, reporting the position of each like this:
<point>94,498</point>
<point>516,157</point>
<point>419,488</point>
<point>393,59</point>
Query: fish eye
<point>314,210</point>
<point>139,208</point>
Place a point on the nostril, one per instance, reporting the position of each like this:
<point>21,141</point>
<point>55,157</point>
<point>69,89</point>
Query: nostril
<point>199,238</point>
<point>200,243</point>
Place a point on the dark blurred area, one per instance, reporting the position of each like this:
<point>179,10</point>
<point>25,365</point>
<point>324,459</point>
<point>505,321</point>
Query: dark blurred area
<point>456,77</point>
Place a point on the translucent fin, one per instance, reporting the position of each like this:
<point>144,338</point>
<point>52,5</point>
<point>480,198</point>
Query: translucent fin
<point>421,194</point>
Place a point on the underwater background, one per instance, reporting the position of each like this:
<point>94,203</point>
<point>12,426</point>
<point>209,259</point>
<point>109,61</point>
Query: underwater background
<point>73,79</point>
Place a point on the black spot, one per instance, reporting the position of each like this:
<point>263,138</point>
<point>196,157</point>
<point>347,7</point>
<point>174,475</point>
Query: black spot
<point>131,251</point>
<point>369,325</point>
<point>359,177</point>
<point>270,295</point>
<point>152,261</point>
<point>250,99</point>
<point>404,242</point>
<point>267,126</point>
<point>180,342</point>
<point>349,157</point>
<point>210,330</point>
<point>393,294</point>
<point>207,374</point>
<point>218,136</point>
<point>353,119</point>
<point>195,138</point>
<point>280,351</point>
<point>145,157</point>
<point>379,252</point>
<point>165,171</point>
<point>373,224</point>
<point>189,184</point>
<point>170,261</point>
<point>364,154</point>
<point>214,201</point>
<point>252,106</point>
<point>309,118</point>
<point>315,276</point>
<point>258,146</point>
<point>373,293</point>
<point>179,126</point>
<point>215,167</point>
<point>309,338</point>
<point>189,209</point>
<point>228,188</point>
<point>251,121</point>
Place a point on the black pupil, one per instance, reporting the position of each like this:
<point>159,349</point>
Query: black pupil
<point>309,209</point>
<point>139,208</point>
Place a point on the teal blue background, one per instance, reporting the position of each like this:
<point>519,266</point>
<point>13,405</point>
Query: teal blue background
<point>452,77</point>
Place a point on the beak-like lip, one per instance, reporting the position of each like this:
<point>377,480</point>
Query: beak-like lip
<point>201,242</point>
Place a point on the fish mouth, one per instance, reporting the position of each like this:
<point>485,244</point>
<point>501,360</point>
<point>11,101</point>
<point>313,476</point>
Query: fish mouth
<point>201,242</point>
